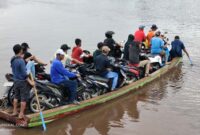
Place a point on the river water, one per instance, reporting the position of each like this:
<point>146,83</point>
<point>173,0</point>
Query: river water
<point>168,106</point>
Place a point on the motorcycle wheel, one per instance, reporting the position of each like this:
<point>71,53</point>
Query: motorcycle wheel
<point>130,79</point>
<point>86,95</point>
<point>11,95</point>
<point>33,103</point>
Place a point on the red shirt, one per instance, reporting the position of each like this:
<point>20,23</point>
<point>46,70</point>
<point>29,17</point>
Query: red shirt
<point>76,54</point>
<point>139,35</point>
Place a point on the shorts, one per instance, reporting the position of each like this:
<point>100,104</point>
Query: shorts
<point>22,90</point>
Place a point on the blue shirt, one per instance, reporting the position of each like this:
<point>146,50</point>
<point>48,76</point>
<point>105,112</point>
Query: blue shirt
<point>59,73</point>
<point>177,47</point>
<point>156,45</point>
<point>18,68</point>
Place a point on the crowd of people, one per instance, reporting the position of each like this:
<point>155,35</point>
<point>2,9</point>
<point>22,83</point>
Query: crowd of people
<point>23,62</point>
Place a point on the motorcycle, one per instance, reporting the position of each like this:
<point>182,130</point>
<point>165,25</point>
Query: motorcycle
<point>51,95</point>
<point>96,84</point>
<point>9,93</point>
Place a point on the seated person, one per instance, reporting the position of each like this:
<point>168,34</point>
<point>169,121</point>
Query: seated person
<point>166,48</point>
<point>140,35</point>
<point>98,51</point>
<point>115,48</point>
<point>157,46</point>
<point>134,54</point>
<point>67,59</point>
<point>177,47</point>
<point>77,51</point>
<point>126,46</point>
<point>30,59</point>
<point>151,34</point>
<point>60,76</point>
<point>102,66</point>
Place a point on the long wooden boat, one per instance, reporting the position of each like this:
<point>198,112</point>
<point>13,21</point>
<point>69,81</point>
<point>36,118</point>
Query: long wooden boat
<point>51,115</point>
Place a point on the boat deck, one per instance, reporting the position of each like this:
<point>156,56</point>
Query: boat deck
<point>63,111</point>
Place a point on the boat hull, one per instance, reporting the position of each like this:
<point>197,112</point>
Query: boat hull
<point>51,115</point>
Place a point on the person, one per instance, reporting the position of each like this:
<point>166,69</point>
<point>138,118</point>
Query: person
<point>98,51</point>
<point>157,46</point>
<point>77,51</point>
<point>102,66</point>
<point>110,42</point>
<point>22,84</point>
<point>61,76</point>
<point>67,59</point>
<point>28,56</point>
<point>134,54</point>
<point>30,59</point>
<point>167,46</point>
<point>140,35</point>
<point>177,47</point>
<point>126,46</point>
<point>151,34</point>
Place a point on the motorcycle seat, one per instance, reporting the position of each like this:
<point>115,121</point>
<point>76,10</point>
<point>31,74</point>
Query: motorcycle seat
<point>98,78</point>
<point>53,85</point>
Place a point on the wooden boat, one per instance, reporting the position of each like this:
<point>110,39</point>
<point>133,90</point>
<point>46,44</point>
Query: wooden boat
<point>51,115</point>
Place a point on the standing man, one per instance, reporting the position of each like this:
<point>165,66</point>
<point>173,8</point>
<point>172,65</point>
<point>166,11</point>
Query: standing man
<point>140,35</point>
<point>61,76</point>
<point>177,47</point>
<point>22,84</point>
<point>102,65</point>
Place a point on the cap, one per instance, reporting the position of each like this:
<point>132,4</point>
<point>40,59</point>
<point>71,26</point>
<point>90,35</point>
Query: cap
<point>154,26</point>
<point>60,51</point>
<point>25,45</point>
<point>105,49</point>
<point>110,33</point>
<point>65,47</point>
<point>141,27</point>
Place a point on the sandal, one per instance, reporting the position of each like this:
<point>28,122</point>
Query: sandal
<point>22,118</point>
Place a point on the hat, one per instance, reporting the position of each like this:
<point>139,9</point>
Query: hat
<point>60,51</point>
<point>154,26</point>
<point>65,47</point>
<point>105,49</point>
<point>141,27</point>
<point>25,45</point>
<point>110,33</point>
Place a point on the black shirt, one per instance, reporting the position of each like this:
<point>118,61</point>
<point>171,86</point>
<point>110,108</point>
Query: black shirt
<point>101,64</point>
<point>134,52</point>
<point>111,44</point>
